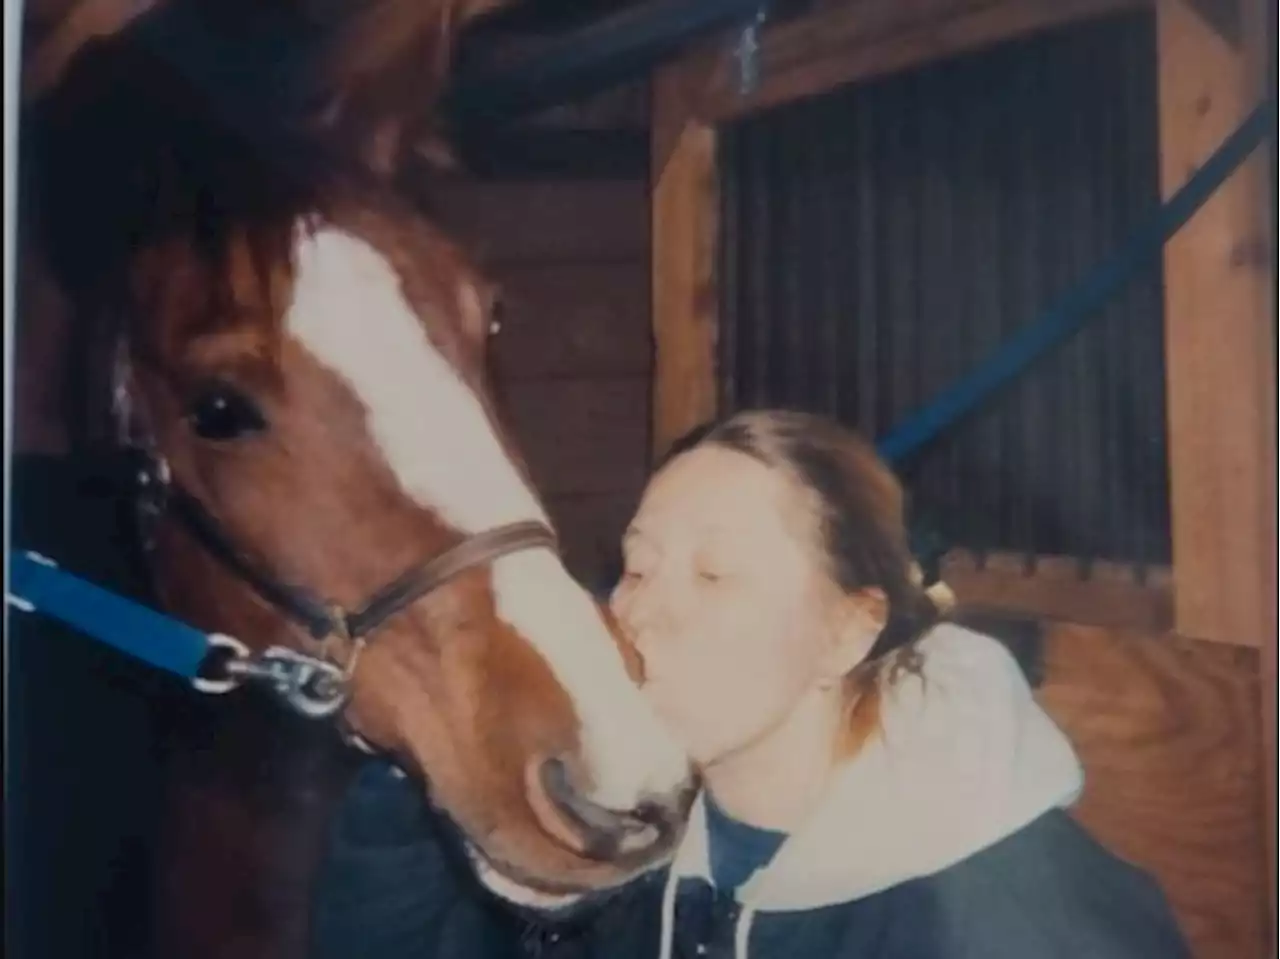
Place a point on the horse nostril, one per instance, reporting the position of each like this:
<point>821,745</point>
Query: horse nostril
<point>602,833</point>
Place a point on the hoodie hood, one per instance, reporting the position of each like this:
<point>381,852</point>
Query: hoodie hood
<point>965,757</point>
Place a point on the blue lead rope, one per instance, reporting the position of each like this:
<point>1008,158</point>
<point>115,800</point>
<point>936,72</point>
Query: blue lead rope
<point>36,584</point>
<point>1070,312</point>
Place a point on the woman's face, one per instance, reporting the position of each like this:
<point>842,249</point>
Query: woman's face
<point>725,596</point>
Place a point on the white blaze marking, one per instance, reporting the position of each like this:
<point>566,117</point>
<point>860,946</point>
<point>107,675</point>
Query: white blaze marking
<point>350,314</point>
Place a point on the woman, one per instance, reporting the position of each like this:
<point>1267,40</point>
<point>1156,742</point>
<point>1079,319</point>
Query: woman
<point>879,783</point>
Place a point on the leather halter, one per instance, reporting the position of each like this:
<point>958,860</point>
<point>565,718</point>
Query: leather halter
<point>157,494</point>
<point>316,686</point>
<point>323,619</point>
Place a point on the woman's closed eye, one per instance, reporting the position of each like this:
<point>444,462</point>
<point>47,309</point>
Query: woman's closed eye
<point>713,566</point>
<point>634,573</point>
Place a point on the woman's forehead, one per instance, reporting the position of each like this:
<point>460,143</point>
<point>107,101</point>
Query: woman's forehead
<point>716,493</point>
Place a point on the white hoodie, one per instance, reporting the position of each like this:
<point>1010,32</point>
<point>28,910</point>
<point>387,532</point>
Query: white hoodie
<point>966,757</point>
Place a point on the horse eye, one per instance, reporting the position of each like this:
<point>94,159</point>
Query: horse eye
<point>224,413</point>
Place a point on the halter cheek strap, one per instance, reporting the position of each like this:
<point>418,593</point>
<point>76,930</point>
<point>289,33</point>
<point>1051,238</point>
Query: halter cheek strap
<point>316,686</point>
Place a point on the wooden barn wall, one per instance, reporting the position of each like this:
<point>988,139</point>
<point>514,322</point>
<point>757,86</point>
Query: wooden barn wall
<point>1167,730</point>
<point>573,358</point>
<point>879,240</point>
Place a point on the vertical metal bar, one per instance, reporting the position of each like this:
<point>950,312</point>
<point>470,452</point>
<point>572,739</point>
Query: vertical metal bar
<point>833,208</point>
<point>988,115</point>
<point>946,330</point>
<point>1106,350</point>
<point>789,255</point>
<point>1034,147</point>
<point>893,264</point>
<point>1009,311</point>
<point>1080,415</point>
<point>867,242</point>
<point>760,270</point>
<point>1149,442</point>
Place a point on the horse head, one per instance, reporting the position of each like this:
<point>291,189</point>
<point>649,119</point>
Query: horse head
<point>301,353</point>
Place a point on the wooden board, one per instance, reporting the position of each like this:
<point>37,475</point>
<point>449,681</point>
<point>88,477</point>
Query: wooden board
<point>844,42</point>
<point>685,215</point>
<point>1055,588</point>
<point>1259,30</point>
<point>574,319</point>
<point>543,221</point>
<point>1167,729</point>
<point>582,436</point>
<point>590,528</point>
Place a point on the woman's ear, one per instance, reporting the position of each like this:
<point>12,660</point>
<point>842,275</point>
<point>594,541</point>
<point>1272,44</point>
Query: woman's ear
<point>858,619</point>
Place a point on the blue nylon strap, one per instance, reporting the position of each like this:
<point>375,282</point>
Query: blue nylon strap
<point>1072,310</point>
<point>36,584</point>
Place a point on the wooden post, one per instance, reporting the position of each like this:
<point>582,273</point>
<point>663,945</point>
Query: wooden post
<point>1220,343</point>
<point>685,213</point>
<point>1258,31</point>
<point>1260,26</point>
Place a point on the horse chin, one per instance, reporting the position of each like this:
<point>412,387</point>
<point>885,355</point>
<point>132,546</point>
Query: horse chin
<point>535,899</point>
<point>516,893</point>
<point>529,900</point>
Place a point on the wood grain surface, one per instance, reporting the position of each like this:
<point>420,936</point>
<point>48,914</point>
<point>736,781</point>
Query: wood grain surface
<point>574,319</point>
<point>1167,729</point>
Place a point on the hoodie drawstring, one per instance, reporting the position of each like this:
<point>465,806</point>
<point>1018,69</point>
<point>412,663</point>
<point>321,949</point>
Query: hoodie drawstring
<point>741,929</point>
<point>742,932</point>
<point>668,930</point>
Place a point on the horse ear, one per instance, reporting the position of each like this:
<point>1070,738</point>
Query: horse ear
<point>381,77</point>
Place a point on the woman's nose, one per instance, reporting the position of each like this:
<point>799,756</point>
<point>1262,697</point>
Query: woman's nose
<point>632,601</point>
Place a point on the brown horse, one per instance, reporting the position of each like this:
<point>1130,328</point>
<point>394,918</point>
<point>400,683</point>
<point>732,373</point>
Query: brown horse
<point>301,355</point>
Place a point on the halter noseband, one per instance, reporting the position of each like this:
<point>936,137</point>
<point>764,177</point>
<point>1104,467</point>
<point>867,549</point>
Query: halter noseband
<point>315,686</point>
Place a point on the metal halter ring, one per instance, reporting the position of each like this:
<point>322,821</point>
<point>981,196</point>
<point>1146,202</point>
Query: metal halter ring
<point>312,687</point>
<point>239,651</point>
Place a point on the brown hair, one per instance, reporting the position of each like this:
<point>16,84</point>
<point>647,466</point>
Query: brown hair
<point>862,527</point>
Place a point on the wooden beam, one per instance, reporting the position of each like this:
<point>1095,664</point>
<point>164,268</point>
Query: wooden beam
<point>509,222</point>
<point>1220,349</point>
<point>1257,21</point>
<point>1054,589</point>
<point>1259,30</point>
<point>846,42</point>
<point>685,200</point>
